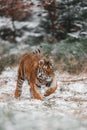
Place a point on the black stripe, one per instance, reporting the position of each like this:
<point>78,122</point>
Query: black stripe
<point>22,78</point>
<point>19,85</point>
<point>38,86</point>
<point>49,83</point>
<point>36,51</point>
<point>33,52</point>
<point>39,50</point>
<point>20,82</point>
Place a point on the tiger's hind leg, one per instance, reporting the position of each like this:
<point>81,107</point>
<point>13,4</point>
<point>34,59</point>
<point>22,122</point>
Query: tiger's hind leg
<point>31,95</point>
<point>18,89</point>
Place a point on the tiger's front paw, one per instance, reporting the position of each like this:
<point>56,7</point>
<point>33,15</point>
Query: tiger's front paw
<point>50,91</point>
<point>39,98</point>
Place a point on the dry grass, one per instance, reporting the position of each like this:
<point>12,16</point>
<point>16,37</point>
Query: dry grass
<point>72,66</point>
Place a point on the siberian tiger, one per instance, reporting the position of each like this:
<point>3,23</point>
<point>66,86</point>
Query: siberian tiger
<point>39,71</point>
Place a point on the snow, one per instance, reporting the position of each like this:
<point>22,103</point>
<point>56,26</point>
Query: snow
<point>5,22</point>
<point>65,109</point>
<point>75,34</point>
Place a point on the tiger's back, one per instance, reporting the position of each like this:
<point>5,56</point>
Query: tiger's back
<point>28,64</point>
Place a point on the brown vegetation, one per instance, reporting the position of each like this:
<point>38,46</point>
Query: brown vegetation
<point>77,67</point>
<point>15,9</point>
<point>6,61</point>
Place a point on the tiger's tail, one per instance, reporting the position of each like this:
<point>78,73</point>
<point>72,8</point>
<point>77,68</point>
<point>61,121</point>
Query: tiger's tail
<point>38,50</point>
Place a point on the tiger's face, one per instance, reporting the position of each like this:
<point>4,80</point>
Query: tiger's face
<point>45,71</point>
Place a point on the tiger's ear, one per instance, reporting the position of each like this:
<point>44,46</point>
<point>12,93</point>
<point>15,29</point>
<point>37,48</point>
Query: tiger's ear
<point>41,62</point>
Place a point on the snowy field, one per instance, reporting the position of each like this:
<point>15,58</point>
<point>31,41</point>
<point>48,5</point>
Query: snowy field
<point>66,109</point>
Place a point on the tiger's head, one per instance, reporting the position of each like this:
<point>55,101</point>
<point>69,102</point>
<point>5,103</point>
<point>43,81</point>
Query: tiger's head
<point>45,71</point>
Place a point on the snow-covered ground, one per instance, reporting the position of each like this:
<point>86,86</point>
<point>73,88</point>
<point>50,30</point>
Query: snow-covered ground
<point>66,109</point>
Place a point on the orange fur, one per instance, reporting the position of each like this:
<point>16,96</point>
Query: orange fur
<point>28,66</point>
<point>50,91</point>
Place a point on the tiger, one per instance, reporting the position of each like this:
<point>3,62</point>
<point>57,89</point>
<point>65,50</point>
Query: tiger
<point>39,71</point>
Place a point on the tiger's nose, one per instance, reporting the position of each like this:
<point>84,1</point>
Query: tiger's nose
<point>42,76</point>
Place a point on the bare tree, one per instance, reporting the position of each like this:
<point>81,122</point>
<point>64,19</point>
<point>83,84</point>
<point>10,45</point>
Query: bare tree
<point>50,6</point>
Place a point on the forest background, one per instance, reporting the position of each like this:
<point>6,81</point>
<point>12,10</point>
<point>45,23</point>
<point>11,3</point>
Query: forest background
<point>60,26</point>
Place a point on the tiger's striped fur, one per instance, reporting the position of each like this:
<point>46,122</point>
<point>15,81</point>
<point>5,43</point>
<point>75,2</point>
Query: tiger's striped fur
<point>38,71</point>
<point>38,51</point>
